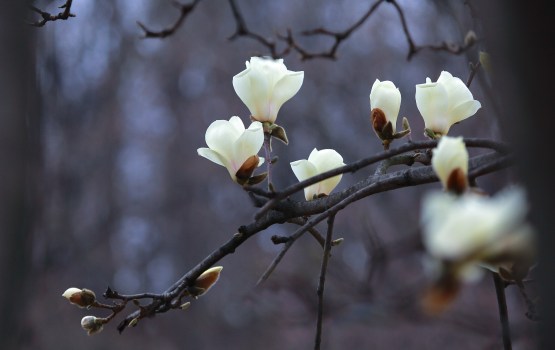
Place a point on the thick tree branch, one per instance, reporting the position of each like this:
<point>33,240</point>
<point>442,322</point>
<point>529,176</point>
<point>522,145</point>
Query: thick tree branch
<point>411,146</point>
<point>288,209</point>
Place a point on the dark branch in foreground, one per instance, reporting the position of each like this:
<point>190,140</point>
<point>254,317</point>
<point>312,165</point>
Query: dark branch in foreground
<point>284,210</point>
<point>48,17</point>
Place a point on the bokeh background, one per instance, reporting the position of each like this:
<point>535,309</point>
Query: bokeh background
<point>125,201</point>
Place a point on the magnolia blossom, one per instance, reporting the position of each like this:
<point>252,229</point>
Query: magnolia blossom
<point>317,163</point>
<point>265,85</point>
<point>233,147</point>
<point>444,103</point>
<point>472,229</point>
<point>387,98</point>
<point>450,163</point>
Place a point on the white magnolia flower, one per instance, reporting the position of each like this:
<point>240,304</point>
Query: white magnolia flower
<point>385,96</point>
<point>445,102</point>
<point>317,163</point>
<point>450,163</point>
<point>474,229</point>
<point>265,85</point>
<point>233,147</point>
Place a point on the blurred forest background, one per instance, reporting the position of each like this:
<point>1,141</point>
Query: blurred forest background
<point>123,200</point>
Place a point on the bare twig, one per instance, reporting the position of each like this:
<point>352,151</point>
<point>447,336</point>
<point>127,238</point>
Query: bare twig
<point>503,313</point>
<point>322,282</point>
<point>48,17</point>
<point>473,70</point>
<point>453,48</point>
<point>184,11</point>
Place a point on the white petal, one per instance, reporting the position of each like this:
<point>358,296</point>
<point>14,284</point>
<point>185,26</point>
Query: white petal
<point>210,155</point>
<point>220,136</point>
<point>242,86</point>
<point>431,100</point>
<point>284,89</point>
<point>237,124</point>
<point>303,169</point>
<point>457,91</point>
<point>464,110</point>
<point>247,145</point>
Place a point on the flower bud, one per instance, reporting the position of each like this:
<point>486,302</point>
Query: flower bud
<point>80,297</point>
<point>206,280</point>
<point>385,102</point>
<point>450,163</point>
<point>92,324</point>
<point>470,38</point>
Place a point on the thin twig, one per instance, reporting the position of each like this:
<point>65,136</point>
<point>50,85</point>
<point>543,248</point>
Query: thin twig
<point>184,9</point>
<point>452,48</point>
<point>48,17</point>
<point>473,70</point>
<point>322,282</point>
<point>503,313</point>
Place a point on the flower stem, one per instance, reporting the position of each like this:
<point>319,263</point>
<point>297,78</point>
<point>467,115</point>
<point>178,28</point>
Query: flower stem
<point>268,155</point>
<point>503,313</point>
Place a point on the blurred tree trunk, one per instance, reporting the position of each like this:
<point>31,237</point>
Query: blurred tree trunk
<point>520,40</point>
<point>18,151</point>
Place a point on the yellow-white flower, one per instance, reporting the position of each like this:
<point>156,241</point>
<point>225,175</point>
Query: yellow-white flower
<point>265,85</point>
<point>317,163</point>
<point>450,163</point>
<point>472,229</point>
<point>444,103</point>
<point>387,98</point>
<point>233,147</point>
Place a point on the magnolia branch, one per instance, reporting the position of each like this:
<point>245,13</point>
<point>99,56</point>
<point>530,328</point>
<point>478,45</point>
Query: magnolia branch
<point>353,167</point>
<point>286,209</point>
<point>48,17</point>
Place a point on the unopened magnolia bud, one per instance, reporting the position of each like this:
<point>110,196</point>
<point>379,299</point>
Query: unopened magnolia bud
<point>485,61</point>
<point>470,38</point>
<point>80,297</point>
<point>92,324</point>
<point>133,322</point>
<point>206,280</point>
